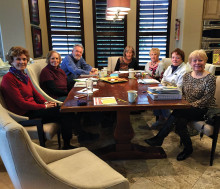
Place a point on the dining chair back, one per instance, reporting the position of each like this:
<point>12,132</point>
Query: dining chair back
<point>208,67</point>
<point>32,166</point>
<point>33,71</point>
<point>35,128</point>
<point>112,63</point>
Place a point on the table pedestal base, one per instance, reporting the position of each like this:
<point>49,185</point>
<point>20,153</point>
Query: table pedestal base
<point>123,148</point>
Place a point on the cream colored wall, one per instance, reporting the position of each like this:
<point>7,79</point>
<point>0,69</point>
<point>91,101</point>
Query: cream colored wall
<point>43,26</point>
<point>12,24</point>
<point>88,32</point>
<point>131,24</point>
<point>172,26</point>
<point>192,30</point>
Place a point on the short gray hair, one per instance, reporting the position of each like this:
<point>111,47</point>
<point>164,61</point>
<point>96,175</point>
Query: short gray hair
<point>78,45</point>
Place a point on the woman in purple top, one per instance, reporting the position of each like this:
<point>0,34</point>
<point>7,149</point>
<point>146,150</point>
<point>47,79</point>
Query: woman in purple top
<point>53,79</point>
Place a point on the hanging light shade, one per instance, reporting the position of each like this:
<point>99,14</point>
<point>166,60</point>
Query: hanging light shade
<point>118,5</point>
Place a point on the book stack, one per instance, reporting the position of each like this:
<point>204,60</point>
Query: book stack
<point>164,93</point>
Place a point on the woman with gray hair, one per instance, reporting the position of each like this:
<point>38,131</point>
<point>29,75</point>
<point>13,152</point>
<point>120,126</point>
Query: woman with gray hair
<point>198,89</point>
<point>127,60</point>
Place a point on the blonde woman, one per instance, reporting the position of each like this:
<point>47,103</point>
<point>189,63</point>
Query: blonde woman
<point>155,68</point>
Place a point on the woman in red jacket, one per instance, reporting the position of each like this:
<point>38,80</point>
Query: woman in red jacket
<point>23,99</point>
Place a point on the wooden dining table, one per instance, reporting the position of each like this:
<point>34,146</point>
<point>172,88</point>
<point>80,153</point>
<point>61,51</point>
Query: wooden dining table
<point>123,148</point>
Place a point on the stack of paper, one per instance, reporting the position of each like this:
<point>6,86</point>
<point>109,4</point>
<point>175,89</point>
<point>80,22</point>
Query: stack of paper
<point>148,81</point>
<point>164,90</point>
<point>164,93</point>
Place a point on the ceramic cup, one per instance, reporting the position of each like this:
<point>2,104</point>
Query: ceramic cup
<point>132,95</point>
<point>105,70</point>
<point>101,74</point>
<point>131,73</point>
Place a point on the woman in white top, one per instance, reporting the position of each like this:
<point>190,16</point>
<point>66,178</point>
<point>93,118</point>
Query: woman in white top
<point>155,68</point>
<point>172,76</point>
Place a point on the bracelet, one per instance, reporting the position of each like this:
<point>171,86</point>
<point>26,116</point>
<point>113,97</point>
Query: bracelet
<point>45,106</point>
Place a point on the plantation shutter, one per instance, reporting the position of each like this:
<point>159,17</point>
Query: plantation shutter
<point>110,37</point>
<point>65,25</point>
<point>153,28</point>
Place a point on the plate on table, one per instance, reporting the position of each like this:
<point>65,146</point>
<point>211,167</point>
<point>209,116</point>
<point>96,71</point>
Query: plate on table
<point>113,79</point>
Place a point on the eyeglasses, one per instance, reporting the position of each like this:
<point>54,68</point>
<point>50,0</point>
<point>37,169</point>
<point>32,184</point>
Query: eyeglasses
<point>195,60</point>
<point>20,59</point>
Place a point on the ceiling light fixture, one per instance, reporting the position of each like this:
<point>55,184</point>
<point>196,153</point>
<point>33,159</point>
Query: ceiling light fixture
<point>117,9</point>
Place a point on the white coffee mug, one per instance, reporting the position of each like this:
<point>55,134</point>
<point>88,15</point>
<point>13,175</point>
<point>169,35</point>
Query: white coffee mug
<point>132,95</point>
<point>105,69</point>
<point>101,74</point>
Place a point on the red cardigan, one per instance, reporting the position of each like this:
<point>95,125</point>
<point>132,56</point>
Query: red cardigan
<point>20,97</point>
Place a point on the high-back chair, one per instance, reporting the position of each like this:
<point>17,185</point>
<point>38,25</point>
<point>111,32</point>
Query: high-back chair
<point>34,127</point>
<point>208,67</point>
<point>211,131</point>
<point>32,166</point>
<point>166,62</point>
<point>33,71</point>
<point>112,63</point>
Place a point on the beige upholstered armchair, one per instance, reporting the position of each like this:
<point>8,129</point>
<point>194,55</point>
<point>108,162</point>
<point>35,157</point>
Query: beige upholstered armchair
<point>32,166</point>
<point>34,128</point>
<point>33,71</point>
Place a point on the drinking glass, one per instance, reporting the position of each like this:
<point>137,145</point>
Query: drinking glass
<point>89,86</point>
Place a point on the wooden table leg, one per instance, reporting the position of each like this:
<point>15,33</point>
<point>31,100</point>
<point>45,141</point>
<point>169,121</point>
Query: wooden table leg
<point>123,148</point>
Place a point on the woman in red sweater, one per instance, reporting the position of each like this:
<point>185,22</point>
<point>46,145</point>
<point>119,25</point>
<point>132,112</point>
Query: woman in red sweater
<point>23,99</point>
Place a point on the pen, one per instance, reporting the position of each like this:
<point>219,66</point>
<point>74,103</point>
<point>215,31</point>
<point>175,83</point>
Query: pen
<point>121,100</point>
